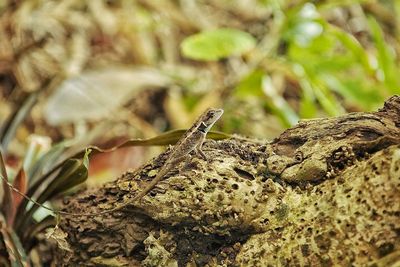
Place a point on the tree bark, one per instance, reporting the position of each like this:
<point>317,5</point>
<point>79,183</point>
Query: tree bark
<point>325,192</point>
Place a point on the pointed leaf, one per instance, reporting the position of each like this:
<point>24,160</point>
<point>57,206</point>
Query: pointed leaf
<point>216,44</point>
<point>72,173</point>
<point>46,162</point>
<point>38,146</point>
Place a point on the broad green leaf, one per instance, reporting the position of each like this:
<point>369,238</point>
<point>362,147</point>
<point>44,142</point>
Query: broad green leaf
<point>216,44</point>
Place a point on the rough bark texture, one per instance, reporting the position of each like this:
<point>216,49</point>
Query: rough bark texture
<point>325,192</point>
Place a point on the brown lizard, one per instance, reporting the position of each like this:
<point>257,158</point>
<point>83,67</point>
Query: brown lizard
<point>192,140</point>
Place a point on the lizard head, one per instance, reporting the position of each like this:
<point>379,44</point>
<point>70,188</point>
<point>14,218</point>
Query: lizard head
<point>211,116</point>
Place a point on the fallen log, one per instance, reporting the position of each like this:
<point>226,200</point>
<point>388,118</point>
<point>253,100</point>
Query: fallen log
<point>325,192</point>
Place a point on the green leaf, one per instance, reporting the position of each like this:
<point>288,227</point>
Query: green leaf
<point>216,44</point>
<point>72,173</point>
<point>46,161</point>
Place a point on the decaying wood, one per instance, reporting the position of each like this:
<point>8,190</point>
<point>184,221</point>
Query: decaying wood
<point>325,192</point>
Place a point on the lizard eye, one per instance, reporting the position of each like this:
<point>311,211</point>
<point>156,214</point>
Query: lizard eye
<point>298,157</point>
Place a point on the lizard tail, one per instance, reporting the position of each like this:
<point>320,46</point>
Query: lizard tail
<point>153,182</point>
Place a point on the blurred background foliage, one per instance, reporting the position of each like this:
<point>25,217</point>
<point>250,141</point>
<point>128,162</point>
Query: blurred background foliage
<point>75,73</point>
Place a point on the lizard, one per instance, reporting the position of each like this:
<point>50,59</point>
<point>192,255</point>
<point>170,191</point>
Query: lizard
<point>192,140</point>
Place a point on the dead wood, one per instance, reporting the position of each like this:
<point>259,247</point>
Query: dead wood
<point>325,192</point>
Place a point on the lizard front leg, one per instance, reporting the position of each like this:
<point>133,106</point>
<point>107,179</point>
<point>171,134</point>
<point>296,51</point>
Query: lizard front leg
<point>198,150</point>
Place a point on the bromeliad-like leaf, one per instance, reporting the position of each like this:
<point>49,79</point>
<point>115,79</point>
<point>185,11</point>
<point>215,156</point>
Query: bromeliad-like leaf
<point>216,44</point>
<point>46,161</point>
<point>73,172</point>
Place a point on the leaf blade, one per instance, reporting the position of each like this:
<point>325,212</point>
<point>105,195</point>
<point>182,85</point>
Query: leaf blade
<point>216,44</point>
